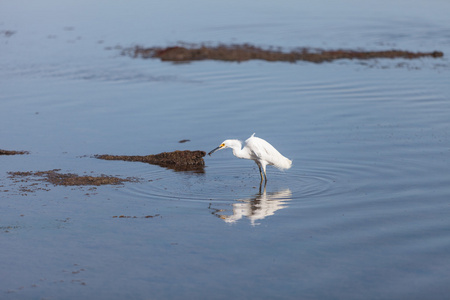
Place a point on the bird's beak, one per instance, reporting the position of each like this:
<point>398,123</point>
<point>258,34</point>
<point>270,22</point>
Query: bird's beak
<point>214,150</point>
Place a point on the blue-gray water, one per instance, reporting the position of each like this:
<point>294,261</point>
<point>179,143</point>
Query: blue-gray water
<point>364,213</point>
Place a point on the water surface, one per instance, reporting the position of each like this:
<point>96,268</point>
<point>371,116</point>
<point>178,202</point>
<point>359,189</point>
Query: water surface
<point>363,212</point>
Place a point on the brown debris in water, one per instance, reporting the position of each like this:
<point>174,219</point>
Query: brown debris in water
<point>70,179</point>
<point>177,160</point>
<point>7,33</point>
<point>135,217</point>
<point>247,52</point>
<point>12,152</point>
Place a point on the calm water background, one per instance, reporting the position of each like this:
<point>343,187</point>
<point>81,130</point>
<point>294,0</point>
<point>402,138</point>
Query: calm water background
<point>363,213</point>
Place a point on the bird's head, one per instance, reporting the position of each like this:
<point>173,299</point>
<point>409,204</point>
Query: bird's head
<point>225,144</point>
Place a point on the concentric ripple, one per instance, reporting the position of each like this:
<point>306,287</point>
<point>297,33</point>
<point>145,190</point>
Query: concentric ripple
<point>226,181</point>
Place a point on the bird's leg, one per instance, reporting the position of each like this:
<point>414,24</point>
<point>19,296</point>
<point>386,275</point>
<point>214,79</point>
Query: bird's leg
<point>265,175</point>
<point>261,191</point>
<point>262,176</point>
<point>260,173</point>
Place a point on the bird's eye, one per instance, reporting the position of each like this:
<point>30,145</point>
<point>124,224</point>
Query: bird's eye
<point>223,145</point>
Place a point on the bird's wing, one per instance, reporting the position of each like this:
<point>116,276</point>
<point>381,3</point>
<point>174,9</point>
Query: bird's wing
<point>260,149</point>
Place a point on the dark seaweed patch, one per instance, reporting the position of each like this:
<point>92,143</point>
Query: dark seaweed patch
<point>245,52</point>
<point>12,152</point>
<point>176,160</point>
<point>70,179</point>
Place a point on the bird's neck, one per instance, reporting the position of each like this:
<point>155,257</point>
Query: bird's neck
<point>238,151</point>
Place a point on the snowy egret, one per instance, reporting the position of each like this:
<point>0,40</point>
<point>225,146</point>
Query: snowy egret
<point>259,151</point>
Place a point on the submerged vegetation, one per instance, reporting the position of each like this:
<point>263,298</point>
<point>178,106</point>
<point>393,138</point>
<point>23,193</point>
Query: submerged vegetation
<point>176,160</point>
<point>245,52</point>
<point>12,152</point>
<point>69,179</point>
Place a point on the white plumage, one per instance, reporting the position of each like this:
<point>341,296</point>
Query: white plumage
<point>259,151</point>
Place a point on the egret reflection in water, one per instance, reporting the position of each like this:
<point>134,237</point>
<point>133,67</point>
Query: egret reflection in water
<point>257,207</point>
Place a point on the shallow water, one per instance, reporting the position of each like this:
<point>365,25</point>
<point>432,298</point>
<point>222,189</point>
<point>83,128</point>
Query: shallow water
<point>363,212</point>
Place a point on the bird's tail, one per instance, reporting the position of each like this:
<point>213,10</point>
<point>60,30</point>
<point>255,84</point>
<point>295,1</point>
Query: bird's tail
<point>285,164</point>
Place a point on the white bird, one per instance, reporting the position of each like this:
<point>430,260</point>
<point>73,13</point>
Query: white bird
<point>259,151</point>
